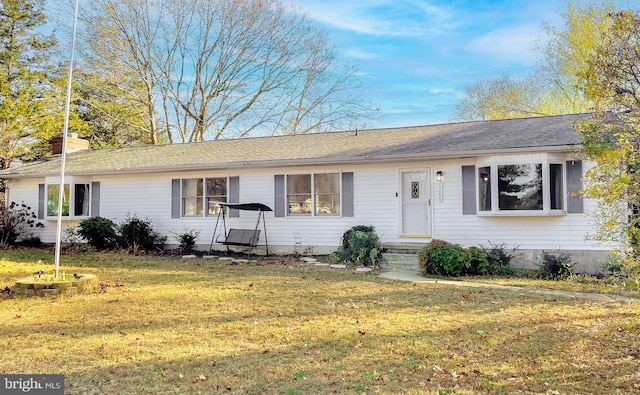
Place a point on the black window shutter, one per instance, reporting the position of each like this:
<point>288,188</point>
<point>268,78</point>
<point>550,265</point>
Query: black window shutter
<point>95,199</point>
<point>574,185</point>
<point>175,198</point>
<point>234,195</point>
<point>279,196</point>
<point>468,190</point>
<point>42,204</point>
<point>347,194</point>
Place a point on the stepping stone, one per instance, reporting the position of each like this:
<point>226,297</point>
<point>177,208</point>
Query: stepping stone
<point>210,257</point>
<point>338,266</point>
<point>188,257</point>
<point>307,259</point>
<point>240,261</point>
<point>322,264</point>
<point>226,258</point>
<point>363,269</point>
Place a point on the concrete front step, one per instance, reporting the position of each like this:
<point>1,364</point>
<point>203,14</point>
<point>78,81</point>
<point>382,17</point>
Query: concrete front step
<point>403,248</point>
<point>400,261</point>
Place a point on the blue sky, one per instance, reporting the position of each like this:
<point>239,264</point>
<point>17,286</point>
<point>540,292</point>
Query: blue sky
<point>415,57</point>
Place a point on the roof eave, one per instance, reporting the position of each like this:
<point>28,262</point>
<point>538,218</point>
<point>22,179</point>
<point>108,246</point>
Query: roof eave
<point>307,161</point>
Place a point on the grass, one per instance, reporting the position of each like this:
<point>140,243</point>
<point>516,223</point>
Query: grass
<point>575,283</point>
<point>169,326</point>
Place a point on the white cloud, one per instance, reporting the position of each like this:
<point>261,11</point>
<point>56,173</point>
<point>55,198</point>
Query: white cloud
<point>391,18</point>
<point>360,54</point>
<point>513,44</point>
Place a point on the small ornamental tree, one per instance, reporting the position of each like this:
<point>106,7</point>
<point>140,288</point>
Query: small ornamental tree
<point>14,221</point>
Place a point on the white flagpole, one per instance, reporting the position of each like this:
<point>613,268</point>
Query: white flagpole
<point>65,131</point>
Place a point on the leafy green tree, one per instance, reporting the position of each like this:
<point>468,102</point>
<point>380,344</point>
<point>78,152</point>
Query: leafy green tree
<point>23,56</point>
<point>590,64</point>
<point>569,51</point>
<point>108,105</point>
<point>554,87</point>
<point>501,98</point>
<point>31,87</point>
<point>611,79</point>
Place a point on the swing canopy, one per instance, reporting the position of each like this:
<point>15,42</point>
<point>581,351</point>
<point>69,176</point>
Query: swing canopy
<point>247,206</point>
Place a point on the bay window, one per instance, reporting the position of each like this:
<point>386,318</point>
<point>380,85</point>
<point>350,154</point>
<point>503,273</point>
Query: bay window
<point>556,184</point>
<point>485,188</point>
<point>76,200</point>
<point>520,187</point>
<point>523,188</point>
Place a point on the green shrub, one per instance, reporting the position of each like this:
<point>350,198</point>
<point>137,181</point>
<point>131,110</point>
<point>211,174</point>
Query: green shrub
<point>138,234</point>
<point>443,258</point>
<point>14,221</point>
<point>499,259</point>
<point>614,264</point>
<point>360,246</point>
<point>72,241</point>
<point>478,262</point>
<point>623,269</point>
<point>99,232</point>
<point>440,257</point>
<point>31,241</point>
<point>187,240</point>
<point>556,266</point>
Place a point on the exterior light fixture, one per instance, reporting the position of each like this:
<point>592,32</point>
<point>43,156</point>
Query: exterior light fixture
<point>439,180</point>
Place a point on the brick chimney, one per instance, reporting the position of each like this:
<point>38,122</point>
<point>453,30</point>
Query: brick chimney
<point>73,144</point>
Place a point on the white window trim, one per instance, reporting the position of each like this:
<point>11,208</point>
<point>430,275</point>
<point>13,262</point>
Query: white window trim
<point>205,207</point>
<point>71,181</point>
<point>545,160</point>
<point>313,195</point>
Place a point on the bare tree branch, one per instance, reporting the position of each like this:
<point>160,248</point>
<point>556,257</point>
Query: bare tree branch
<point>229,68</point>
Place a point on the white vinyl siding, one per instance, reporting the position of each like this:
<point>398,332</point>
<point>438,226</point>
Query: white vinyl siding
<point>375,201</point>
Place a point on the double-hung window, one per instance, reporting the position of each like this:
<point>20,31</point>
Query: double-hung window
<point>201,196</point>
<point>313,194</point>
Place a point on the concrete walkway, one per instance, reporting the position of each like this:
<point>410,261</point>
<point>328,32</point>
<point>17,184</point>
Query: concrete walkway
<point>402,275</point>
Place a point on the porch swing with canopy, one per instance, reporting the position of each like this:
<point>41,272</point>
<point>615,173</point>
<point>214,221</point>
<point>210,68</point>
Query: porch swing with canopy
<point>240,237</point>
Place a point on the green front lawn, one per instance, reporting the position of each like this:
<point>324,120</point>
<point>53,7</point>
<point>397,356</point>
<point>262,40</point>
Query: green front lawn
<point>161,325</point>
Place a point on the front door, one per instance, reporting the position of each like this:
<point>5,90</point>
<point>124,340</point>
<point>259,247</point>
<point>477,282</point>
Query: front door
<point>416,204</point>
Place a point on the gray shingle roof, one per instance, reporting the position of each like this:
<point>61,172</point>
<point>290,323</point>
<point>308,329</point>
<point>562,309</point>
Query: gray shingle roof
<point>422,142</point>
